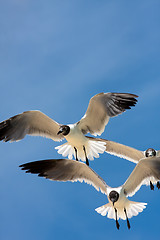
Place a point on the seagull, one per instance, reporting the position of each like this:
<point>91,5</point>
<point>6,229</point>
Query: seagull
<point>130,154</point>
<point>119,206</point>
<point>101,107</point>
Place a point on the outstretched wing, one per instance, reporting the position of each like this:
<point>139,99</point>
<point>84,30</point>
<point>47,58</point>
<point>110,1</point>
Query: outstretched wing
<point>121,150</point>
<point>32,123</point>
<point>147,169</point>
<point>66,170</point>
<point>103,106</point>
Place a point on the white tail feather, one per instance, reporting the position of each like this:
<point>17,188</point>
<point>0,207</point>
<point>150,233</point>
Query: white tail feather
<point>93,148</point>
<point>132,209</point>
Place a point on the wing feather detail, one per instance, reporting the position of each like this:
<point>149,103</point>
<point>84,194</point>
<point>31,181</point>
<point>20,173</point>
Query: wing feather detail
<point>103,106</point>
<point>66,170</point>
<point>33,123</point>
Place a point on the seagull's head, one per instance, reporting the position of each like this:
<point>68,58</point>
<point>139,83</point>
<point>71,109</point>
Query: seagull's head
<point>64,129</point>
<point>150,152</point>
<point>114,196</point>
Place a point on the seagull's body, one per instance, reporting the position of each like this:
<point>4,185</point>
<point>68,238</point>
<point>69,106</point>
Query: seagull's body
<point>101,107</point>
<point>80,146</point>
<point>119,205</point>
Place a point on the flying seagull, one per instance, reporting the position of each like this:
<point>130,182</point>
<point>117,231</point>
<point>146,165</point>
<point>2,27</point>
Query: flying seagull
<point>101,107</point>
<point>131,154</point>
<point>119,205</point>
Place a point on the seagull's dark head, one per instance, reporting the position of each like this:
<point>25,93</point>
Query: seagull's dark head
<point>150,152</point>
<point>114,196</point>
<point>64,129</point>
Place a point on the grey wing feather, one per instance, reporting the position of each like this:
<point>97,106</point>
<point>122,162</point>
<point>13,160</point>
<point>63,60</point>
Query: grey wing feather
<point>103,106</point>
<point>29,122</point>
<point>121,150</point>
<point>66,170</point>
<point>147,169</point>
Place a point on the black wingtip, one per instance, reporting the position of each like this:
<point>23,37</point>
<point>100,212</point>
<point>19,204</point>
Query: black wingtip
<point>120,102</point>
<point>40,167</point>
<point>33,170</point>
<point>4,128</point>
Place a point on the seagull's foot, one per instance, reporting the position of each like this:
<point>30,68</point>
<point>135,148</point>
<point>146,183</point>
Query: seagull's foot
<point>128,223</point>
<point>87,162</point>
<point>151,186</point>
<point>76,153</point>
<point>158,185</point>
<point>117,224</point>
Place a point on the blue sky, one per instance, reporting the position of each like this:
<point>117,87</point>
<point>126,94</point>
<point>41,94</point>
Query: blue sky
<point>54,56</point>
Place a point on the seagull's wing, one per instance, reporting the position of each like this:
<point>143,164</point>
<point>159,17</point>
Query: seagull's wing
<point>32,123</point>
<point>121,150</point>
<point>147,169</point>
<point>103,106</point>
<point>66,170</point>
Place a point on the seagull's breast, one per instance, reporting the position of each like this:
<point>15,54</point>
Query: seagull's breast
<point>75,137</point>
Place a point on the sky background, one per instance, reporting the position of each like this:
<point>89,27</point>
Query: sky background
<point>54,56</point>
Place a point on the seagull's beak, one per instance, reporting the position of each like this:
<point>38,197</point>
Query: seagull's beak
<point>60,131</point>
<point>113,200</point>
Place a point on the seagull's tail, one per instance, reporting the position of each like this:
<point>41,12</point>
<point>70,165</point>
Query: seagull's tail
<point>132,209</point>
<point>66,150</point>
<point>93,148</point>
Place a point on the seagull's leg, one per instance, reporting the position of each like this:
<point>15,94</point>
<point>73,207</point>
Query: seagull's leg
<point>87,162</point>
<point>151,186</point>
<point>76,153</point>
<point>117,223</point>
<point>128,224</point>
<point>158,185</point>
